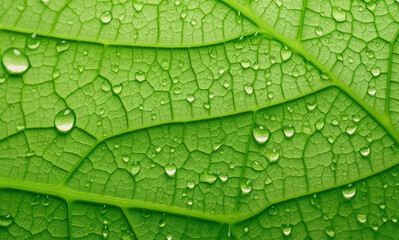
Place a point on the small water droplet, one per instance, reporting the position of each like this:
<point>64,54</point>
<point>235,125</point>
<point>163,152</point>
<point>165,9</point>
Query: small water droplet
<point>140,76</point>
<point>125,158</point>
<point>208,177</point>
<point>349,191</point>
<point>273,156</point>
<point>286,53</point>
<point>374,226</point>
<point>339,14</point>
<point>311,106</point>
<point>246,186</point>
<point>223,177</point>
<point>376,71</point>
<point>324,75</point>
<point>46,201</point>
<point>319,124</point>
<point>248,88</point>
<point>351,129</point>
<point>105,86</point>
<point>191,184</point>
<point>330,232</point>
<point>365,151</point>
<point>286,229</point>
<point>190,98</point>
<point>361,217</point>
<point>382,205</point>
<point>260,134</point>
<point>32,42</point>
<point>6,219</point>
<point>257,166</point>
<point>169,236</point>
<point>226,84</point>
<point>272,210</point>
<point>117,88</point>
<point>15,61</point>
<point>136,167</point>
<point>170,169</point>
<point>371,90</point>
<point>106,17</point>
<point>65,120</point>
<point>190,202</point>
<point>289,131</point>
<point>62,46</point>
<point>246,229</point>
<point>319,31</point>
<point>245,63</point>
<point>105,231</point>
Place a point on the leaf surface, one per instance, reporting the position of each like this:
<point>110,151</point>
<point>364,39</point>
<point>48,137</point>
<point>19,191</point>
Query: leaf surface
<point>199,119</point>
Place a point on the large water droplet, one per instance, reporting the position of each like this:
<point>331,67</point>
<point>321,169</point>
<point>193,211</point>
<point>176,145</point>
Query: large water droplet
<point>289,131</point>
<point>170,169</point>
<point>65,120</point>
<point>136,167</point>
<point>62,46</point>
<point>106,17</point>
<point>6,219</point>
<point>286,229</point>
<point>349,191</point>
<point>261,134</point>
<point>15,61</point>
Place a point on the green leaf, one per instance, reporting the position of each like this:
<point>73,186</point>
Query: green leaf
<point>199,119</point>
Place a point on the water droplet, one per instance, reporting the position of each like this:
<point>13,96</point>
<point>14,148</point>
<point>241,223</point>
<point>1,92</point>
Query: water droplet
<point>206,105</point>
<point>273,156</point>
<point>319,124</point>
<point>286,53</point>
<point>65,120</point>
<point>146,213</point>
<point>190,202</point>
<point>339,14</point>
<point>287,229</point>
<point>184,12</point>
<point>125,158</point>
<point>190,98</point>
<point>223,177</point>
<point>257,166</point>
<point>272,210</point>
<point>170,169</point>
<point>361,217</point>
<point>376,71</point>
<point>374,226</point>
<point>6,219</point>
<point>245,63</point>
<point>261,134</point>
<point>62,46</point>
<point>140,76</point>
<point>351,129</point>
<point>191,184</point>
<point>270,95</point>
<point>226,84</point>
<point>117,88</point>
<point>32,42</point>
<point>136,167</point>
<point>349,191</point>
<point>246,229</point>
<point>324,75</point>
<point>365,151</point>
<point>382,205</point>
<point>279,3</point>
<point>15,61</point>
<point>115,68</point>
<point>208,177</point>
<point>371,90</point>
<point>212,53</point>
<point>106,17</point>
<point>295,72</point>
<point>330,232</point>
<point>46,201</point>
<point>289,131</point>
<point>105,86</point>
<point>268,180</point>
<point>246,186</point>
<point>311,106</point>
<point>249,89</point>
<point>319,31</point>
<point>105,231</point>
<point>169,236</point>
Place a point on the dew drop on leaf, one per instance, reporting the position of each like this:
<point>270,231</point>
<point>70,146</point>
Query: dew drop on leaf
<point>105,231</point>
<point>365,151</point>
<point>248,88</point>
<point>136,167</point>
<point>106,17</point>
<point>371,90</point>
<point>6,219</point>
<point>223,177</point>
<point>105,86</point>
<point>361,217</point>
<point>351,129</point>
<point>286,229</point>
<point>330,232</point>
<point>246,186</point>
<point>260,134</point>
<point>15,61</point>
<point>286,53</point>
<point>272,210</point>
<point>170,169</point>
<point>140,76</point>
<point>289,131</point>
<point>46,201</point>
<point>62,46</point>
<point>65,120</point>
<point>376,71</point>
<point>32,42</point>
<point>349,191</point>
<point>339,14</point>
<point>319,31</point>
<point>190,98</point>
<point>117,88</point>
<point>208,177</point>
<point>169,236</point>
<point>184,12</point>
<point>125,158</point>
<point>273,156</point>
<point>245,63</point>
<point>319,124</point>
<point>190,184</point>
